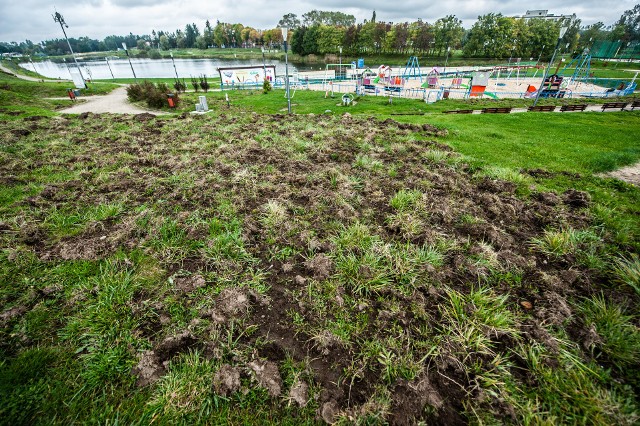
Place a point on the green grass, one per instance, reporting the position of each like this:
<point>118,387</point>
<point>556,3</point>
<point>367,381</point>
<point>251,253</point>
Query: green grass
<point>363,257</point>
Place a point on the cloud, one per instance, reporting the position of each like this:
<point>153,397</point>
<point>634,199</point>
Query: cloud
<point>31,19</point>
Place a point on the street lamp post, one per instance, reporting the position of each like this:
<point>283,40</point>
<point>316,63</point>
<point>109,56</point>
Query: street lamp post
<point>285,33</point>
<point>109,65</point>
<point>540,56</point>
<point>57,17</point>
<point>174,65</point>
<point>563,30</point>
<point>340,50</point>
<point>264,64</point>
<point>124,46</point>
<point>446,59</point>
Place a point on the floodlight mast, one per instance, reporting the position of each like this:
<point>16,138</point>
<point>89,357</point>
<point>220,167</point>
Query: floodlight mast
<point>57,17</point>
<point>563,30</point>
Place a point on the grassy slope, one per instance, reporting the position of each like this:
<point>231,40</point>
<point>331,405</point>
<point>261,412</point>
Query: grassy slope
<point>228,196</point>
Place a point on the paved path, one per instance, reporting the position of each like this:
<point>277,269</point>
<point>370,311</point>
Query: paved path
<point>26,77</point>
<point>114,102</point>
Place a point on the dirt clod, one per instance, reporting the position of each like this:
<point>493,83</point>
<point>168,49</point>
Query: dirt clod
<point>190,283</point>
<point>226,381</point>
<point>151,364</point>
<point>320,265</point>
<point>410,399</point>
<point>576,199</point>
<point>299,393</point>
<point>12,313</point>
<point>268,376</point>
<point>145,116</point>
<point>329,411</point>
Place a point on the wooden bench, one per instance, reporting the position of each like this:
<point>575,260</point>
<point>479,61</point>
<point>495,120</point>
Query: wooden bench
<point>635,104</point>
<point>614,105</point>
<point>542,108</point>
<point>574,107</point>
<point>459,111</point>
<point>496,110</point>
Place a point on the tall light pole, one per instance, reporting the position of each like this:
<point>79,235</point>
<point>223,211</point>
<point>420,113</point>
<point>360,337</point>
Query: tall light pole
<point>446,59</point>
<point>340,50</point>
<point>124,46</point>
<point>57,17</point>
<point>285,33</point>
<point>540,56</point>
<point>264,64</point>
<point>109,65</point>
<point>174,65</point>
<point>563,30</point>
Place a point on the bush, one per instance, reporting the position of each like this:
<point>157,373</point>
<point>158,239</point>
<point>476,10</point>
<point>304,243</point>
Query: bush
<point>180,86</point>
<point>155,54</point>
<point>266,86</point>
<point>195,83</point>
<point>154,95</point>
<point>204,84</point>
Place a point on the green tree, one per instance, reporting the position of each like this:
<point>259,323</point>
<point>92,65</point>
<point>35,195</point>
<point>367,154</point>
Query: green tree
<point>329,38</point>
<point>310,40</point>
<point>448,32</point>
<point>297,41</point>
<point>290,20</point>
<point>164,42</point>
<point>208,34</point>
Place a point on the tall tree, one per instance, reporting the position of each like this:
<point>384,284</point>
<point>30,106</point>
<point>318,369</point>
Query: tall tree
<point>290,20</point>
<point>448,32</point>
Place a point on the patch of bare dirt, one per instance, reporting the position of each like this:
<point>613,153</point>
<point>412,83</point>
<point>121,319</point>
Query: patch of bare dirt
<point>629,174</point>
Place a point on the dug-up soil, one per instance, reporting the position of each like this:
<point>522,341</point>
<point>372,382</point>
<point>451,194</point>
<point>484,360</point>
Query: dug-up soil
<point>283,235</point>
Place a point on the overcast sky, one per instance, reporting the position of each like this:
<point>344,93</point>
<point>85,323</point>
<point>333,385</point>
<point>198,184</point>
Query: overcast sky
<point>32,20</point>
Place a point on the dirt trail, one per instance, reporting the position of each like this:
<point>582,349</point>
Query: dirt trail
<point>114,102</point>
<point>629,174</point>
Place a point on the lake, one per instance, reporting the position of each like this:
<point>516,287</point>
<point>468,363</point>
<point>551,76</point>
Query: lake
<point>149,68</point>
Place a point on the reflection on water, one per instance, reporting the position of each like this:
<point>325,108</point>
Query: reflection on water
<point>147,68</point>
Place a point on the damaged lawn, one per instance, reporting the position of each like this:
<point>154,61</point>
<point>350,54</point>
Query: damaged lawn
<point>273,269</point>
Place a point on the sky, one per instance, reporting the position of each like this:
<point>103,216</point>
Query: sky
<point>32,19</point>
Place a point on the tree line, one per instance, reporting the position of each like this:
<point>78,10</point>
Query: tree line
<point>325,32</point>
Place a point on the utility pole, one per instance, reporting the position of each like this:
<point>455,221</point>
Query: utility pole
<point>124,46</point>
<point>109,65</point>
<point>174,65</point>
<point>285,32</point>
<point>57,17</point>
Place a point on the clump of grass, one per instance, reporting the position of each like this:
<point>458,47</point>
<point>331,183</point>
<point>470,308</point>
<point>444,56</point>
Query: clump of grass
<point>620,337</point>
<point>626,270</point>
<point>507,174</point>
<point>273,214</point>
<point>436,155</point>
<point>405,199</point>
<point>367,162</point>
<point>185,389</point>
<point>558,243</point>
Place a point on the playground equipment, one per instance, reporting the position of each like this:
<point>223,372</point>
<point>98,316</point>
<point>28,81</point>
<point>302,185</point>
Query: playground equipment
<point>347,99</point>
<point>479,82</point>
<point>412,69</point>
<point>432,78</point>
<point>582,64</point>
<point>554,86</point>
